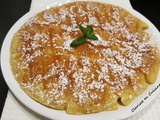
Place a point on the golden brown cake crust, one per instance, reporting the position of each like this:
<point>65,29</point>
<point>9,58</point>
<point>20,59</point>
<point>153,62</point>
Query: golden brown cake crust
<point>91,77</point>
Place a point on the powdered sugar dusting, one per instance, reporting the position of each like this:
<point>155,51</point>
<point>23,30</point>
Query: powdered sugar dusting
<point>54,70</point>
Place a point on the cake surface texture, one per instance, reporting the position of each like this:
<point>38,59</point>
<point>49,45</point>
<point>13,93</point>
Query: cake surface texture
<point>96,76</point>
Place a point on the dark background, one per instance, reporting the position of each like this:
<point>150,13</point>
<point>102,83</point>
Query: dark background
<point>12,10</point>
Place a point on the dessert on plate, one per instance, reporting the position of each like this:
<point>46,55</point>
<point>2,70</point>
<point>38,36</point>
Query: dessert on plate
<point>95,75</point>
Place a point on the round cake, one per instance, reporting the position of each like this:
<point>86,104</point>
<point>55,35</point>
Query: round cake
<point>96,75</point>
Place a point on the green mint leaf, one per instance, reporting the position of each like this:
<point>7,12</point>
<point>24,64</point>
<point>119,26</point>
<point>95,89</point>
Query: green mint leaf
<point>91,36</point>
<point>78,41</point>
<point>87,34</point>
<point>89,29</point>
<point>82,29</point>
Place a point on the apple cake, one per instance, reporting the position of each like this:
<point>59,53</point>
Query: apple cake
<point>98,75</point>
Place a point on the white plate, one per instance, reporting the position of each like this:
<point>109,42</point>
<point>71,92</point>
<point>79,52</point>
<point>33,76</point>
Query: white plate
<point>141,102</point>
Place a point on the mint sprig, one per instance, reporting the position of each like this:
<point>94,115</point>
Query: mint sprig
<point>87,34</point>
